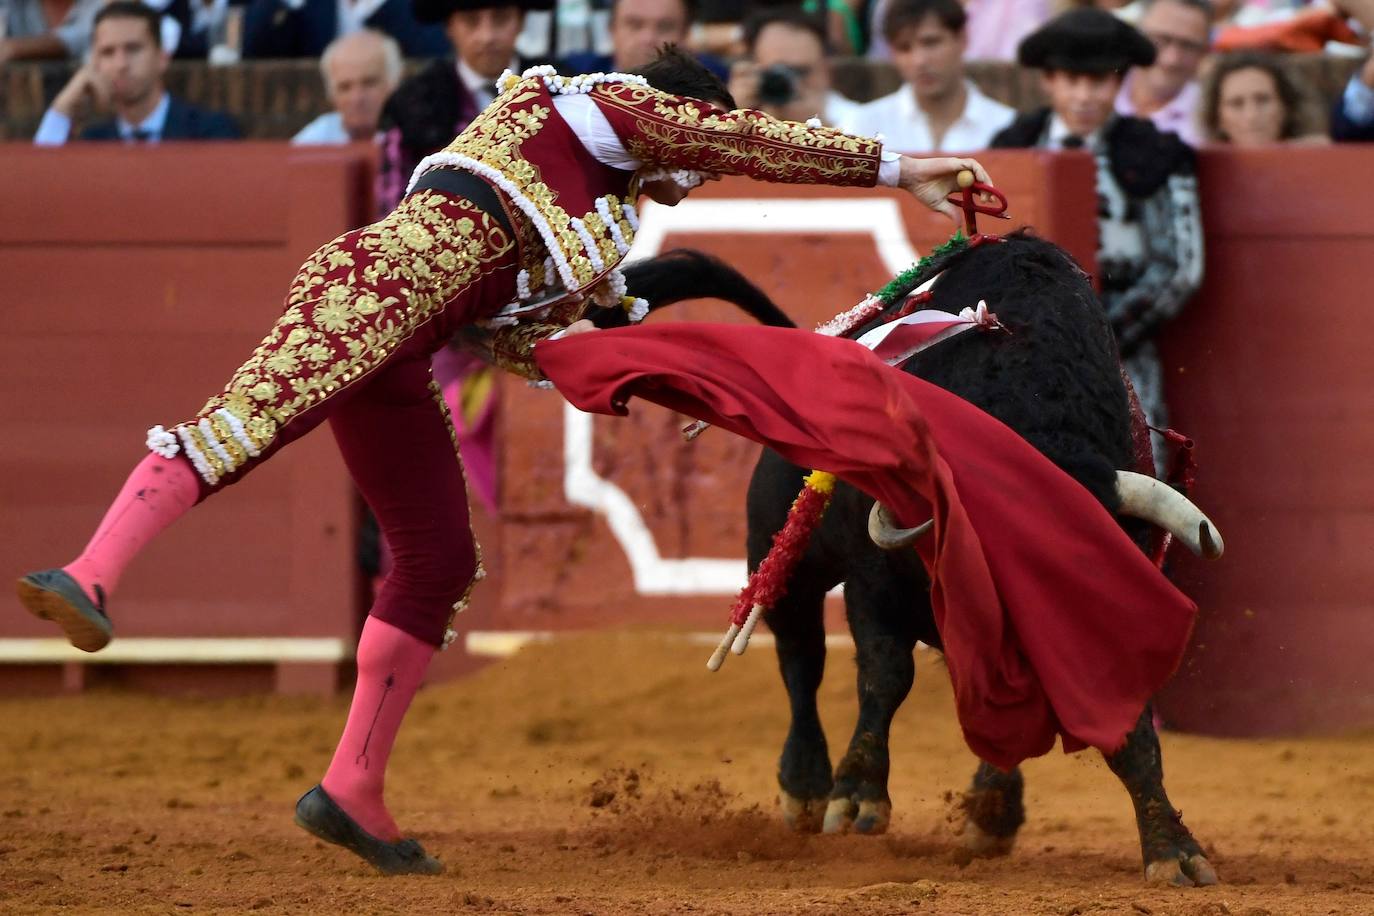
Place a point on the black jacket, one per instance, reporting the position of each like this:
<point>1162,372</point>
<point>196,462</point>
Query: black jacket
<point>184,122</point>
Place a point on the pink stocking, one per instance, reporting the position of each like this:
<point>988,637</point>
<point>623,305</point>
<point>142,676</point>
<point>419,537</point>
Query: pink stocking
<point>391,665</point>
<point>157,493</point>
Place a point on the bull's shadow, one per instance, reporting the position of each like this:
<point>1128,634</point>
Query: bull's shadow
<point>1056,380</point>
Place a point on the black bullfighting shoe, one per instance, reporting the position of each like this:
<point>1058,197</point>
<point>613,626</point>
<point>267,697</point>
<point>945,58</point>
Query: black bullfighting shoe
<point>318,814</point>
<point>53,595</point>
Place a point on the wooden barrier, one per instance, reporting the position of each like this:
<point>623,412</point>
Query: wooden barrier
<point>135,281</point>
<point>1270,373</point>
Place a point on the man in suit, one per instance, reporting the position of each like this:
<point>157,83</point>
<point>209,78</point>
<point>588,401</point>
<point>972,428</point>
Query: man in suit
<point>124,77</point>
<point>638,29</point>
<point>426,110</point>
<point>304,28</point>
<point>1149,253</point>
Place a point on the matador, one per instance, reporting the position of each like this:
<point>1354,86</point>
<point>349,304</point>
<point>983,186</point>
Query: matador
<point>513,233</point>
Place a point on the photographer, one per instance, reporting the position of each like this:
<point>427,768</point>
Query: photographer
<point>785,71</point>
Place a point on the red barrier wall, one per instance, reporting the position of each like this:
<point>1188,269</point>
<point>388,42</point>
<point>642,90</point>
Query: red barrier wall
<point>1272,377</point>
<point>135,281</point>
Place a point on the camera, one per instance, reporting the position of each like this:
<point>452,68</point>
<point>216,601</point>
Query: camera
<point>779,84</point>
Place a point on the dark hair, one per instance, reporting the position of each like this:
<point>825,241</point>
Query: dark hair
<point>909,14</point>
<point>790,16</point>
<point>679,73</point>
<point>689,9</point>
<point>1289,94</point>
<point>132,9</point>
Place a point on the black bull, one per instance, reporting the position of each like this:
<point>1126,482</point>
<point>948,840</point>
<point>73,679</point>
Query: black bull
<point>1055,379</point>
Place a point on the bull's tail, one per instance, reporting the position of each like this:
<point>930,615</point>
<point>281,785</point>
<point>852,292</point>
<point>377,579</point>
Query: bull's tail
<point>684,273</point>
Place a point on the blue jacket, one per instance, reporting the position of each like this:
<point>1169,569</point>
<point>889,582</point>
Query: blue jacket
<point>1344,128</point>
<point>184,122</point>
<point>273,29</point>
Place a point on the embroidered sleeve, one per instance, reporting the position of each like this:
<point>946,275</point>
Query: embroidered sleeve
<point>512,348</point>
<point>1171,227</point>
<point>673,132</point>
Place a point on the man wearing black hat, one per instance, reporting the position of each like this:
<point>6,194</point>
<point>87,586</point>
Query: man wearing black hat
<point>429,109</point>
<point>1149,258</point>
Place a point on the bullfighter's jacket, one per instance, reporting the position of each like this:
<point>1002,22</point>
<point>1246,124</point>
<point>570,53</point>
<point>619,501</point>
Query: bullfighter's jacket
<point>575,216</point>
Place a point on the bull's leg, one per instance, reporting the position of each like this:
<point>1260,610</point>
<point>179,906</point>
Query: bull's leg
<point>804,768</point>
<point>882,621</point>
<point>1170,853</point>
<point>993,811</point>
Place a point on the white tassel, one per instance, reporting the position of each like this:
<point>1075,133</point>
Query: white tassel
<point>163,443</point>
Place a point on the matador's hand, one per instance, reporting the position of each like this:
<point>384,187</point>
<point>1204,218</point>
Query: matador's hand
<point>932,180</point>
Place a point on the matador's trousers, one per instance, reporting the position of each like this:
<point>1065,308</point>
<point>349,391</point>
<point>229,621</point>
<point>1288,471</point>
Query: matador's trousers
<point>353,346</point>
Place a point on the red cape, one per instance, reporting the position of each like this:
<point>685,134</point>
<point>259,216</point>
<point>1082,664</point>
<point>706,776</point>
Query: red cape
<point>1053,621</point>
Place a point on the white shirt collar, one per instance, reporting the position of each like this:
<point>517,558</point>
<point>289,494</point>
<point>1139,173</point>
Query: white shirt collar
<point>1059,131</point>
<point>154,124</point>
<point>478,84</point>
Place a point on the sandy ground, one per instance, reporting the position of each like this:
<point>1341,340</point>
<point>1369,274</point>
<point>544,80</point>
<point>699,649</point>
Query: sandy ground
<point>613,774</point>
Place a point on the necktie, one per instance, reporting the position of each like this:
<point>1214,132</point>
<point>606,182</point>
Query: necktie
<point>1072,141</point>
<point>139,135</point>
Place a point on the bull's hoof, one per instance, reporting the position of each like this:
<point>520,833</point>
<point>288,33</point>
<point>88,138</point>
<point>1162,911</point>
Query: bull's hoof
<point>869,817</point>
<point>802,815</point>
<point>1184,871</point>
<point>874,816</point>
<point>983,845</point>
<point>839,815</point>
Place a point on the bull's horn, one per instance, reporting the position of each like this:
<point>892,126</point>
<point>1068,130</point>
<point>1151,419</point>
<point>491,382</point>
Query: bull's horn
<point>883,532</point>
<point>1158,503</point>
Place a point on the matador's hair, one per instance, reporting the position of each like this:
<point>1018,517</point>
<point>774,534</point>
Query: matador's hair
<point>675,71</point>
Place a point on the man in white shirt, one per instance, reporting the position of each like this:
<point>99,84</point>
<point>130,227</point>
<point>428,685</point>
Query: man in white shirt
<point>937,108</point>
<point>360,70</point>
<point>785,71</point>
<point>1167,91</point>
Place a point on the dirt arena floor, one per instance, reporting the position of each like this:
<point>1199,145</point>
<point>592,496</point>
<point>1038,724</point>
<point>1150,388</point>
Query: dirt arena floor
<point>613,774</point>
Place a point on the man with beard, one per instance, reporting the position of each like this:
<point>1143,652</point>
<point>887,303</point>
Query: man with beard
<point>124,76</point>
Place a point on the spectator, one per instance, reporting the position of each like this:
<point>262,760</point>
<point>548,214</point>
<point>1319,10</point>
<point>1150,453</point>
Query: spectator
<point>996,27</point>
<point>1149,258</point>
<point>427,110</point>
<point>1167,92</point>
<point>936,108</point>
<point>1353,115</point>
<point>1250,100</point>
<point>638,29</point>
<point>125,77</point>
<point>38,30</point>
<point>785,71</point>
<point>304,28</point>
<point>360,70</point>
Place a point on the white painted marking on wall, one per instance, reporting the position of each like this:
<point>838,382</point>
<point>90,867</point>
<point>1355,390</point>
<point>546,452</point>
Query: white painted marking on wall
<point>654,574</point>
